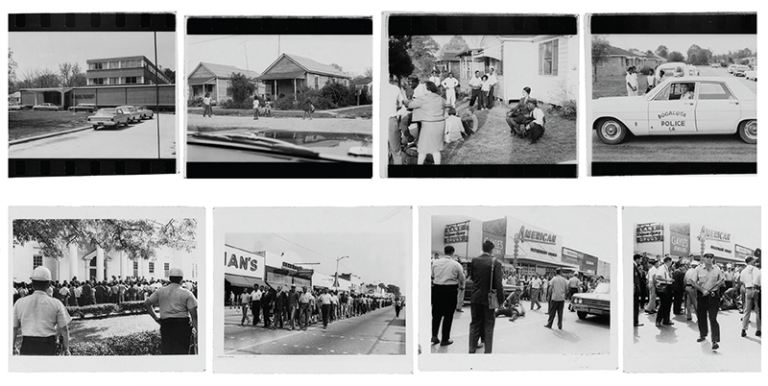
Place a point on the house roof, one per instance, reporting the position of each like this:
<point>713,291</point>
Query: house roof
<point>283,75</point>
<point>450,56</point>
<point>309,66</point>
<point>616,51</point>
<point>224,71</point>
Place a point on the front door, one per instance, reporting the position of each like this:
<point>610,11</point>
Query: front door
<point>669,114</point>
<point>717,110</point>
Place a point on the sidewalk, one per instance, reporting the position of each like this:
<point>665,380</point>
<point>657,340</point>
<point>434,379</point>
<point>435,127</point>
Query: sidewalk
<point>392,341</point>
<point>228,122</point>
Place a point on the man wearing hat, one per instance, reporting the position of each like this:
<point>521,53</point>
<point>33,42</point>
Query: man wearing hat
<point>293,306</point>
<point>40,319</point>
<point>709,278</point>
<point>748,276</point>
<point>178,314</point>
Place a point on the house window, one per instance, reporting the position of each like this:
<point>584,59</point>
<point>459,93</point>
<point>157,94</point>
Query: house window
<point>130,63</point>
<point>151,267</point>
<point>95,81</point>
<point>317,82</point>
<point>96,66</point>
<point>37,261</point>
<point>114,80</point>
<point>130,80</point>
<point>167,269</point>
<point>114,65</point>
<point>135,269</point>
<point>548,57</point>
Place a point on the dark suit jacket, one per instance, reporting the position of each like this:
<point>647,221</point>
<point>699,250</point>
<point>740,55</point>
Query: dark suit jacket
<point>638,280</point>
<point>481,279</point>
<point>678,284</point>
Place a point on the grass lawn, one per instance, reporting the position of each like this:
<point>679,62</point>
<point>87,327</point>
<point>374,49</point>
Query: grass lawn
<point>494,144</point>
<point>355,112</point>
<point>93,329</point>
<point>25,124</point>
<point>613,86</point>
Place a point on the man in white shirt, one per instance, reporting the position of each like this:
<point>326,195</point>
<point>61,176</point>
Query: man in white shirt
<point>535,289</point>
<point>435,78</point>
<point>492,81</point>
<point>392,101</point>
<point>449,84</point>
<point>447,279</point>
<point>475,84</point>
<point>650,308</point>
<point>256,303</point>
<point>748,275</point>
<point>631,81</point>
<point>40,319</point>
<point>325,304</point>
<point>690,292</point>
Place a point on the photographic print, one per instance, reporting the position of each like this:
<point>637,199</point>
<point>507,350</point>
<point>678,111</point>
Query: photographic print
<point>679,97</point>
<point>92,93</point>
<point>107,284</point>
<point>468,96</point>
<point>291,97</point>
<point>323,282</point>
<point>695,289</point>
<point>519,281</point>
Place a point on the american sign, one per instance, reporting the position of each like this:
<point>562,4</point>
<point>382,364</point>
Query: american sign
<point>649,233</point>
<point>240,262</point>
<point>456,233</point>
<point>711,234</point>
<point>537,236</point>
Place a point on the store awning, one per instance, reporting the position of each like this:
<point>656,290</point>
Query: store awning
<point>243,281</point>
<point>283,75</point>
<point>199,81</point>
<point>543,261</point>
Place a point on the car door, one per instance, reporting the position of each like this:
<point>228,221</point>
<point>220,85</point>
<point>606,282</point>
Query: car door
<point>717,109</point>
<point>119,115</point>
<point>668,114</point>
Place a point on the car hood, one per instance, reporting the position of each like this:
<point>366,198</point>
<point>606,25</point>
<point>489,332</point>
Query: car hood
<point>612,102</point>
<point>593,296</point>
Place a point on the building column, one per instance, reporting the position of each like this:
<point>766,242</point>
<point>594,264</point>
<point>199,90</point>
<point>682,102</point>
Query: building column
<point>124,262</point>
<point>99,263</point>
<point>73,259</point>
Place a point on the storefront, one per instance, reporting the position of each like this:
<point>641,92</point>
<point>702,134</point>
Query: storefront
<point>678,240</point>
<point>536,250</point>
<point>242,269</point>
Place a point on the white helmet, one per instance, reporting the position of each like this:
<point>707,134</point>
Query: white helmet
<point>176,272</point>
<point>41,274</point>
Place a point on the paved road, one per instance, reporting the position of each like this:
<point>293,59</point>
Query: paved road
<point>674,348</point>
<point>229,122</point>
<point>699,148</point>
<point>138,140</point>
<point>527,335</point>
<point>377,333</point>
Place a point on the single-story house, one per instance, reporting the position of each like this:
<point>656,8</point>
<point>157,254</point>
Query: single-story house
<point>449,61</point>
<point>616,61</point>
<point>14,98</point>
<point>289,73</point>
<point>215,79</point>
<point>548,64</point>
<point>482,58</point>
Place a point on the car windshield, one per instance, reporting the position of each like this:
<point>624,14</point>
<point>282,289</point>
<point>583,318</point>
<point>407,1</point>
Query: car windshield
<point>127,108</point>
<point>602,288</point>
<point>106,112</point>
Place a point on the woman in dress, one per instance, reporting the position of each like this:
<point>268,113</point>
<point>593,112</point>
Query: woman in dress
<point>429,109</point>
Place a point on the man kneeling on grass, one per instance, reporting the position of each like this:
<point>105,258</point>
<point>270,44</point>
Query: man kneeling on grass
<point>454,129</point>
<point>535,128</point>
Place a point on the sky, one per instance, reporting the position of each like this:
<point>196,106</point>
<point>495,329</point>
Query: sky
<point>354,53</point>
<point>718,44</point>
<point>743,223</point>
<point>582,228</point>
<point>38,50</point>
<point>375,239</point>
<point>444,39</point>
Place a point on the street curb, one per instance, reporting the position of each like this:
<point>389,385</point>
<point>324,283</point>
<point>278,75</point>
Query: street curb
<point>44,136</point>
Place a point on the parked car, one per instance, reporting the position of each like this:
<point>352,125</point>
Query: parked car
<point>46,107</point>
<point>597,302</point>
<point>135,115</point>
<point>751,74</point>
<point>673,70</point>
<point>740,70</point>
<point>714,65</point>
<point>145,112</point>
<point>87,107</point>
<point>730,68</point>
<point>15,107</point>
<point>109,117</point>
<point>717,105</point>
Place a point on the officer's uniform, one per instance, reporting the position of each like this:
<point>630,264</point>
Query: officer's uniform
<point>39,317</point>
<point>175,303</point>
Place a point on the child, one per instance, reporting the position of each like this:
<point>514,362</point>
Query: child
<point>486,90</point>
<point>454,129</point>
<point>536,128</point>
<point>469,121</point>
<point>268,108</point>
<point>309,108</point>
<point>255,108</point>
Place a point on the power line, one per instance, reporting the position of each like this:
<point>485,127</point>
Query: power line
<point>303,247</point>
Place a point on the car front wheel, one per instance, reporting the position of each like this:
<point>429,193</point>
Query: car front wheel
<point>748,131</point>
<point>581,314</point>
<point>95,127</point>
<point>611,131</point>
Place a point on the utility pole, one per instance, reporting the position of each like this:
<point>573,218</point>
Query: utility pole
<point>336,275</point>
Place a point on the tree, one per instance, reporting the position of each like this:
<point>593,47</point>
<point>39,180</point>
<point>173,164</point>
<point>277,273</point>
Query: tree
<point>241,87</point>
<point>600,47</point>
<point>338,67</point>
<point>675,56</point>
<point>137,238</point>
<point>423,51</point>
<point>12,65</point>
<point>393,289</point>
<point>649,53</point>
<point>662,51</point>
<point>457,43</point>
<point>400,62</point>
<point>71,75</point>
<point>368,73</point>
<point>170,74</point>
<point>46,78</point>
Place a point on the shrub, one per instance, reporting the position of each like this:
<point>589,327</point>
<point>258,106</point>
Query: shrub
<point>134,307</point>
<point>285,102</point>
<point>645,70</point>
<point>140,343</point>
<point>95,310</point>
<point>247,104</point>
<point>568,109</point>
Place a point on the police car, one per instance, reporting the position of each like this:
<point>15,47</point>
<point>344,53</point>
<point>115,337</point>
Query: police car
<point>680,106</point>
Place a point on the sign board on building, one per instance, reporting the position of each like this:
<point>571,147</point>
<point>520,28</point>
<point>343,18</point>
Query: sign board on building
<point>243,263</point>
<point>496,232</point>
<point>711,234</point>
<point>649,233</point>
<point>589,264</point>
<point>571,256</point>
<point>456,233</point>
<point>536,236</point>
<point>741,252</point>
<point>679,239</point>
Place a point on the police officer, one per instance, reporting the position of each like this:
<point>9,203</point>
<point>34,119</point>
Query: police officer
<point>178,314</point>
<point>41,319</point>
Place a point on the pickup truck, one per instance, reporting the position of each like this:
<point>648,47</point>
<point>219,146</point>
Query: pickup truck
<point>87,107</point>
<point>46,107</point>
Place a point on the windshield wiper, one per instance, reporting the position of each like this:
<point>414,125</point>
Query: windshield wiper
<point>260,143</point>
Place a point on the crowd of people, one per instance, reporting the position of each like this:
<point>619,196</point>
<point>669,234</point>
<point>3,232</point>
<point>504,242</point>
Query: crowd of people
<point>75,293</point>
<point>423,116</point>
<point>298,308</point>
<point>689,287</point>
<point>488,301</point>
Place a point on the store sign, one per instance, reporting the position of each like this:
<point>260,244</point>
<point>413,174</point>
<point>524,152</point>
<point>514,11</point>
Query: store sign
<point>649,233</point>
<point>742,252</point>
<point>537,236</point>
<point>499,249</point>
<point>569,256</point>
<point>680,239</point>
<point>543,252</point>
<point>720,249</point>
<point>456,233</point>
<point>589,264</point>
<point>711,234</point>
<point>239,262</point>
